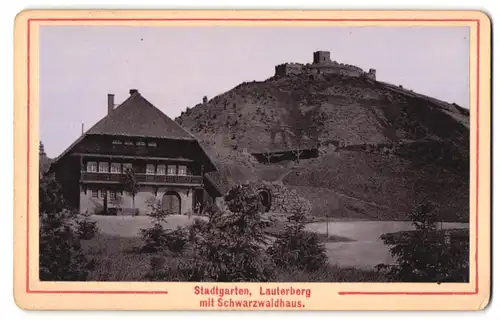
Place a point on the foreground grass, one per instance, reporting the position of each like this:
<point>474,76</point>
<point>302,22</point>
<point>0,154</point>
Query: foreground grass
<point>119,259</point>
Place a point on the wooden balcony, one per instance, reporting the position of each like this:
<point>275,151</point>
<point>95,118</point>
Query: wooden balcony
<point>142,178</point>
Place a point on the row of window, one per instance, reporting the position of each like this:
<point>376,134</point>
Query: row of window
<point>101,194</point>
<point>138,143</point>
<point>161,169</point>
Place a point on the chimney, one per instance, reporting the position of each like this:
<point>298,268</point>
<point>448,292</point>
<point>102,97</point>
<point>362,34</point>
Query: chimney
<point>111,102</point>
<point>82,128</point>
<point>133,91</point>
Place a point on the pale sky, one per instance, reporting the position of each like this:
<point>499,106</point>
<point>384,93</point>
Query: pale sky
<point>174,67</point>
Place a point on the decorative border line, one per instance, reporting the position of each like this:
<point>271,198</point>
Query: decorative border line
<point>477,21</point>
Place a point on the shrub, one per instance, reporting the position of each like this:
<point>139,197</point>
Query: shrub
<point>50,195</point>
<point>86,229</point>
<point>61,257</point>
<point>155,238</point>
<point>297,248</point>
<point>98,209</point>
<point>427,254</point>
<point>196,230</point>
<point>230,247</point>
<point>177,240</point>
<point>159,239</point>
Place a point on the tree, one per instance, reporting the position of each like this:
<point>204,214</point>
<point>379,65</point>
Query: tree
<point>105,202</point>
<point>296,248</point>
<point>231,246</point>
<point>61,257</point>
<point>129,184</point>
<point>268,155</point>
<point>157,238</point>
<point>44,161</point>
<point>297,152</point>
<point>50,194</point>
<point>427,254</point>
<point>41,149</point>
<point>298,145</point>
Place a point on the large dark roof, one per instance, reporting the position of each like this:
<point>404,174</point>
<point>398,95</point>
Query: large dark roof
<point>137,117</point>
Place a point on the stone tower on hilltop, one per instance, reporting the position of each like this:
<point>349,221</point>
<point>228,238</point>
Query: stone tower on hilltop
<point>322,64</point>
<point>321,57</point>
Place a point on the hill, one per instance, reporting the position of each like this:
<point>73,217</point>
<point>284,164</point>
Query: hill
<point>381,147</point>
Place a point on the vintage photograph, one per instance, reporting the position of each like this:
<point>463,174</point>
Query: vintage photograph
<point>254,154</point>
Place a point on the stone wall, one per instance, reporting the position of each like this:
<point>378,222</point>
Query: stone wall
<point>283,199</point>
<point>323,65</point>
<point>288,68</point>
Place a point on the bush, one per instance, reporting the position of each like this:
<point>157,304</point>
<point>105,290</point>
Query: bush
<point>427,254</point>
<point>155,238</point>
<point>50,195</point>
<point>177,240</point>
<point>196,230</point>
<point>61,257</point>
<point>159,239</point>
<point>297,248</point>
<point>230,247</point>
<point>86,229</point>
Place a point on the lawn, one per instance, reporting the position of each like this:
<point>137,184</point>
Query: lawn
<point>130,226</point>
<point>119,259</point>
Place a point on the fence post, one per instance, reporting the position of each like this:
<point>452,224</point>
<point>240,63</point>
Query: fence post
<point>326,216</point>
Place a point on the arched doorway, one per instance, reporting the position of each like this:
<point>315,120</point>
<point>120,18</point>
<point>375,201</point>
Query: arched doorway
<point>171,202</point>
<point>265,198</point>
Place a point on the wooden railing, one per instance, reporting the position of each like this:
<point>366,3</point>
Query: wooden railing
<point>141,178</point>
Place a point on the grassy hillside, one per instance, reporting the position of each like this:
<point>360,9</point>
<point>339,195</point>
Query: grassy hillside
<point>381,186</point>
<point>398,147</point>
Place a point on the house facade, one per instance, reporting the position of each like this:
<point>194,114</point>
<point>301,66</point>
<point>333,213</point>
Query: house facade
<point>135,144</point>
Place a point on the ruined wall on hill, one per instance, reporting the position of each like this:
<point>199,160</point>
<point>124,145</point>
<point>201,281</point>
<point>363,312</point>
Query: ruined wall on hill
<point>323,65</point>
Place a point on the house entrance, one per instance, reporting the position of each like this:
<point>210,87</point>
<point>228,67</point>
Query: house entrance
<point>171,202</point>
<point>198,203</point>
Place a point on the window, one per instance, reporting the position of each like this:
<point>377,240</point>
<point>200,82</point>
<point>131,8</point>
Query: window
<point>115,168</point>
<point>126,166</point>
<point>160,169</point>
<point>117,142</point>
<point>152,144</point>
<point>102,194</point>
<point>140,143</point>
<point>103,167</point>
<point>182,170</point>
<point>91,166</point>
<point>95,193</point>
<point>112,195</point>
<point>129,143</point>
<point>172,170</point>
<point>150,169</point>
